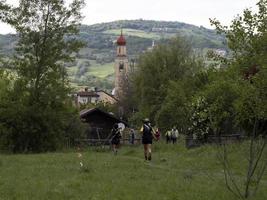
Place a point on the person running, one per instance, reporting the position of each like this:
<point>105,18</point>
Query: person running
<point>147,136</point>
<point>115,140</point>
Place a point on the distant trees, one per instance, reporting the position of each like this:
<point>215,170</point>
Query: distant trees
<point>163,83</point>
<point>37,110</point>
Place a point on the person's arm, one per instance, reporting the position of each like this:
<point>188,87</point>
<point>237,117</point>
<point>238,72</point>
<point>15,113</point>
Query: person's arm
<point>141,130</point>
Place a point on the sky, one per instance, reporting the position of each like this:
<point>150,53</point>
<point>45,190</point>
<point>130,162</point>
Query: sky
<point>195,12</point>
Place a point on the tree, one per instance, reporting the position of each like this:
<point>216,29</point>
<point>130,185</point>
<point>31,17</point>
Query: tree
<point>247,39</point>
<point>163,82</point>
<point>38,103</point>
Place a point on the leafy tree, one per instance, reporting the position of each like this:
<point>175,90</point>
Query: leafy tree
<point>247,39</point>
<point>163,82</point>
<point>38,110</point>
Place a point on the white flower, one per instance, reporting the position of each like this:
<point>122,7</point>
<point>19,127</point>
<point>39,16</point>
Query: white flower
<point>81,164</point>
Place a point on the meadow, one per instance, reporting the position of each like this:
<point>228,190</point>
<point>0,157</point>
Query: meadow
<point>134,32</point>
<point>174,173</point>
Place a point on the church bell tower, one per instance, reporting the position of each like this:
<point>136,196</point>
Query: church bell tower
<point>121,68</point>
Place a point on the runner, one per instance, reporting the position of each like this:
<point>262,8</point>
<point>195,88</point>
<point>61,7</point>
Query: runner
<point>115,140</point>
<point>147,135</point>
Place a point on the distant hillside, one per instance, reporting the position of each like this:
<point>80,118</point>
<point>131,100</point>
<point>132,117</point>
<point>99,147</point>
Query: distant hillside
<point>94,64</point>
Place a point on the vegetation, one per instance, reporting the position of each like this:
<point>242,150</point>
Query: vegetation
<point>174,173</point>
<point>173,88</point>
<point>164,84</point>
<point>35,111</point>
<point>171,85</point>
<point>246,101</point>
<point>100,47</point>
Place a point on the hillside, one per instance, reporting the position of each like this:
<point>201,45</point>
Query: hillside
<point>94,64</point>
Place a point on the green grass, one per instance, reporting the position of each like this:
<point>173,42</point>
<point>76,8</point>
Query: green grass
<point>134,32</point>
<point>174,173</point>
<point>95,69</point>
<point>101,71</point>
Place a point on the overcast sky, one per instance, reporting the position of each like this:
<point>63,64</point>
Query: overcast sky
<point>195,12</point>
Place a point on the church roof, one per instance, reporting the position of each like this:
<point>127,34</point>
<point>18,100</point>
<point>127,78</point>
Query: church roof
<point>121,40</point>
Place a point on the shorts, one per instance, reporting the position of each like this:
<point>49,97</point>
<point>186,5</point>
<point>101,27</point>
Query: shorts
<point>115,141</point>
<point>146,140</point>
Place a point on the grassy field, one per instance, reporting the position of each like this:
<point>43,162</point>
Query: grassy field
<point>98,70</point>
<point>138,33</point>
<point>175,173</point>
<point>101,71</point>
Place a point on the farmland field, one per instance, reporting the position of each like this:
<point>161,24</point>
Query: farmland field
<point>101,71</point>
<point>174,173</point>
<point>138,33</point>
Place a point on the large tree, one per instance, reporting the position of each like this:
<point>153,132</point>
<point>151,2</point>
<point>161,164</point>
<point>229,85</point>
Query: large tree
<point>38,104</point>
<point>163,82</point>
<point>247,40</point>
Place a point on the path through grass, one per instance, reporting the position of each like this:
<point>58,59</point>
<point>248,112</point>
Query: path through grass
<point>174,173</point>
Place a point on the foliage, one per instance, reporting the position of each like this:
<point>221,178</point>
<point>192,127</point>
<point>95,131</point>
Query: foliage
<point>100,44</point>
<point>37,111</point>
<point>174,107</point>
<point>199,120</point>
<point>247,39</point>
<point>163,82</point>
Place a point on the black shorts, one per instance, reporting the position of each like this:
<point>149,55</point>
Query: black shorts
<point>115,141</point>
<point>146,140</point>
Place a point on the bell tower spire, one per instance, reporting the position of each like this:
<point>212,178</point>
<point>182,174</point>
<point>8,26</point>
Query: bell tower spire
<point>121,67</point>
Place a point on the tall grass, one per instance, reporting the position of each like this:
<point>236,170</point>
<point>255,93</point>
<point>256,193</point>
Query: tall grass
<point>174,173</point>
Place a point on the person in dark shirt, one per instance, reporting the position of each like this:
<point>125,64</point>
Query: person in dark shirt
<point>147,136</point>
<point>115,140</point>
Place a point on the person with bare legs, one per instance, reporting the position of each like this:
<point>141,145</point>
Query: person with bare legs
<point>147,136</point>
<point>115,140</point>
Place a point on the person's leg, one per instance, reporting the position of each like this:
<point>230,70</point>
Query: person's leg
<point>145,151</point>
<point>113,148</point>
<point>117,147</point>
<point>149,151</point>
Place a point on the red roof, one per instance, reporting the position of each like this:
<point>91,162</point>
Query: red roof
<point>87,94</point>
<point>121,40</point>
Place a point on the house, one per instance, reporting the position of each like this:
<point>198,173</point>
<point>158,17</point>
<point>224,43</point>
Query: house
<point>106,97</point>
<point>93,96</point>
<point>85,97</point>
<point>100,122</point>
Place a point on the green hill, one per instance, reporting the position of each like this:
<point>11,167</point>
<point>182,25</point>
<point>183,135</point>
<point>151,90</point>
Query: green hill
<point>95,62</point>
